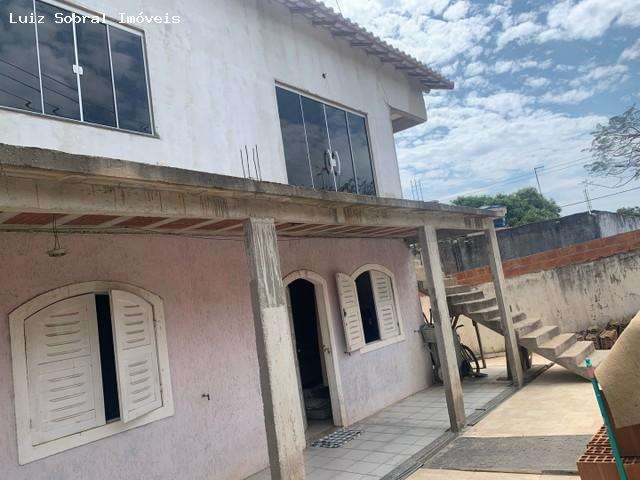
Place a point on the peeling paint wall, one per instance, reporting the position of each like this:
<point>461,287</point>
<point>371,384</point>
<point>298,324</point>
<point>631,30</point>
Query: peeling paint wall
<point>211,343</point>
<point>578,296</point>
<point>213,82</point>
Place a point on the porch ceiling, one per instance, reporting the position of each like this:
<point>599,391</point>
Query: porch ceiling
<point>88,194</point>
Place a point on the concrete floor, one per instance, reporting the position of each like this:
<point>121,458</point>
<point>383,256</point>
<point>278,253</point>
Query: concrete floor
<point>556,403</point>
<point>542,426</point>
<point>427,474</point>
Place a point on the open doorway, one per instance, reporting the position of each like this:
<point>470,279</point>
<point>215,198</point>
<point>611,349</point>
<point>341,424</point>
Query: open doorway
<point>310,350</point>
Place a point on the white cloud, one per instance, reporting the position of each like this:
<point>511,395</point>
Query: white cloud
<point>536,82</point>
<point>513,66</point>
<point>504,103</point>
<point>519,32</point>
<point>568,97</point>
<point>456,11</point>
<point>475,68</point>
<point>631,53</point>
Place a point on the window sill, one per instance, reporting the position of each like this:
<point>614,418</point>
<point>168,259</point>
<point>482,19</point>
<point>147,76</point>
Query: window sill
<point>78,122</point>
<point>29,453</point>
<point>381,344</point>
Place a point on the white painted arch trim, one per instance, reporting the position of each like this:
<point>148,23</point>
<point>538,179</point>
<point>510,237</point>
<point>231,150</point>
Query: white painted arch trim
<point>327,330</point>
<point>370,347</point>
<point>26,451</point>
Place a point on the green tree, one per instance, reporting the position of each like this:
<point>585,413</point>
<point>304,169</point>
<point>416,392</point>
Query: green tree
<point>616,148</point>
<point>524,206</point>
<point>630,211</point>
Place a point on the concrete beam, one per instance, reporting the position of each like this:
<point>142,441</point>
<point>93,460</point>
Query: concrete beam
<point>123,198</point>
<point>444,333</point>
<point>511,342</point>
<point>278,376</point>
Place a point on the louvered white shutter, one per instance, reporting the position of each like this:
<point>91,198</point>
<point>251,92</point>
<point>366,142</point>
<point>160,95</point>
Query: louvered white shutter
<point>385,305</point>
<point>350,311</point>
<point>136,355</point>
<point>63,369</point>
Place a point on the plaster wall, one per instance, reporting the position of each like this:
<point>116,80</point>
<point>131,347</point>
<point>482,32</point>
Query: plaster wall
<point>211,344</point>
<point>213,82</point>
<point>579,296</point>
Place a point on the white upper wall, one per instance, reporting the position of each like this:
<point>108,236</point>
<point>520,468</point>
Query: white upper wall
<point>212,83</point>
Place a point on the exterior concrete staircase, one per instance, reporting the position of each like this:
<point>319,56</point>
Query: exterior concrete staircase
<point>545,340</point>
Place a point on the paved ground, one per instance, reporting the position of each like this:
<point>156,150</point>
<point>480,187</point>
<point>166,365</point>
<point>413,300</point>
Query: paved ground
<point>542,428</point>
<point>556,403</point>
<point>398,432</point>
<point>426,474</point>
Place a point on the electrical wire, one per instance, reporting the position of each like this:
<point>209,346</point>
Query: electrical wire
<point>552,169</point>
<point>600,197</point>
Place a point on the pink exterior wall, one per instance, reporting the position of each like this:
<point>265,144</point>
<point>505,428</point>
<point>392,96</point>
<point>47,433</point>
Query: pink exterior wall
<point>211,348</point>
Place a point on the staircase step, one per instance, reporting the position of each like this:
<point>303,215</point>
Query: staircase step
<point>485,315</point>
<point>597,356</point>
<point>518,317</point>
<point>465,297</point>
<point>576,354</point>
<point>450,282</point>
<point>527,326</point>
<point>539,336</point>
<point>461,289</point>
<point>495,325</point>
<point>558,344</point>
<point>475,305</point>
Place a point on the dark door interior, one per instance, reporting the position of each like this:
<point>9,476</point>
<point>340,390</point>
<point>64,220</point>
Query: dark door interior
<point>305,323</point>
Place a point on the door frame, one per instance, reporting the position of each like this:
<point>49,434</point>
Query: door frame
<point>325,320</point>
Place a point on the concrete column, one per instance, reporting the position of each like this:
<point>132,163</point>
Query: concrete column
<point>511,342</point>
<point>278,377</point>
<point>444,334</point>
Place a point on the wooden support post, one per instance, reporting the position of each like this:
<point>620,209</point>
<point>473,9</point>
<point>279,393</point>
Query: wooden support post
<point>278,377</point>
<point>444,334</point>
<point>511,342</point>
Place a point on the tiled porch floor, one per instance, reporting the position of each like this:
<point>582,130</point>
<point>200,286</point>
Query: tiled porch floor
<point>393,435</point>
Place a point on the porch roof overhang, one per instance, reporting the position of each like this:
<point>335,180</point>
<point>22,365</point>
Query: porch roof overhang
<point>84,194</point>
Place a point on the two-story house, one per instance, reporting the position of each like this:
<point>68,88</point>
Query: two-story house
<point>203,241</point>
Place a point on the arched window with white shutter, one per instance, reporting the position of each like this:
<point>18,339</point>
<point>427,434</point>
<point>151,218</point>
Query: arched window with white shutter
<point>370,308</point>
<point>89,360</point>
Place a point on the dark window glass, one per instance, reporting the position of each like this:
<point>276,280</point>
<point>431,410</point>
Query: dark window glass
<point>367,308</point>
<point>19,80</point>
<point>293,138</point>
<point>107,358</point>
<point>130,81</point>
<point>339,135</point>
<point>57,57</point>
<point>318,141</point>
<point>361,154</point>
<point>97,89</point>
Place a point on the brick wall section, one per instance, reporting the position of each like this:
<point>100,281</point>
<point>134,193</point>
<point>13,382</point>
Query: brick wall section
<point>560,257</point>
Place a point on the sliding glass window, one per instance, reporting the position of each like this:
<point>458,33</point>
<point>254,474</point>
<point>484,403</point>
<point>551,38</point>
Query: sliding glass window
<point>325,147</point>
<point>61,63</point>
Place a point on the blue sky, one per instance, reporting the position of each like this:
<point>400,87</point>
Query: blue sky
<point>533,79</point>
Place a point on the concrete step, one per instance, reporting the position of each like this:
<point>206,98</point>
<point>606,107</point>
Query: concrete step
<point>495,325</point>
<point>449,282</point>
<point>575,355</point>
<point>558,344</point>
<point>536,338</point>
<point>485,315</point>
<point>519,317</point>
<point>527,326</point>
<point>597,356</point>
<point>460,289</point>
<point>465,297</point>
<point>475,305</point>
